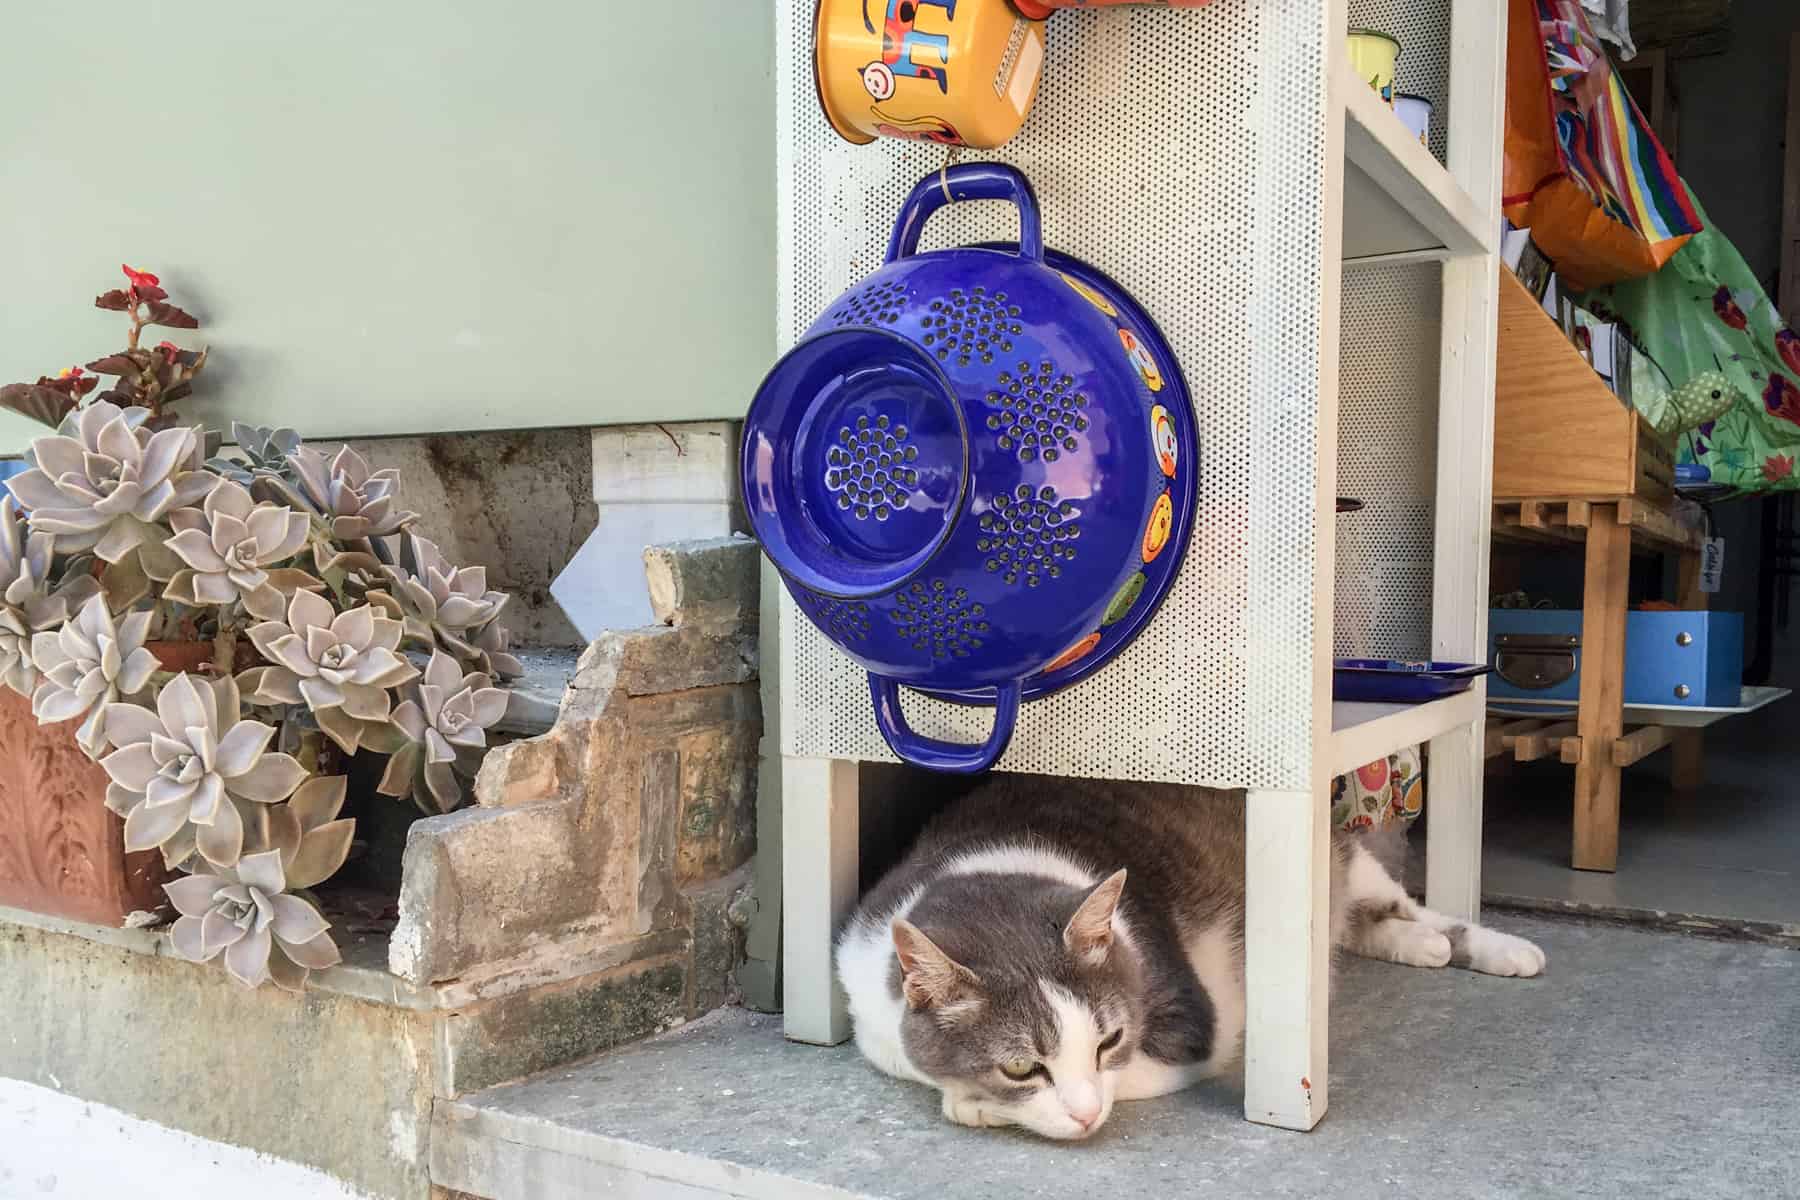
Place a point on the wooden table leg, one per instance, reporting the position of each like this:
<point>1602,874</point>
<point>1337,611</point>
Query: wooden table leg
<point>1601,717</point>
<point>1686,767</point>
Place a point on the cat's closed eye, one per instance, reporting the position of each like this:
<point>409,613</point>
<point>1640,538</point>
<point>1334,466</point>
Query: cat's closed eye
<point>1112,1040</point>
<point>1021,1069</point>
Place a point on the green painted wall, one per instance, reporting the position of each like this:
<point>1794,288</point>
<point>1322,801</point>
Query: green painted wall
<point>400,217</point>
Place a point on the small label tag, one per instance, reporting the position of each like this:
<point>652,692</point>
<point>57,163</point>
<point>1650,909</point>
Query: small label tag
<point>1712,563</point>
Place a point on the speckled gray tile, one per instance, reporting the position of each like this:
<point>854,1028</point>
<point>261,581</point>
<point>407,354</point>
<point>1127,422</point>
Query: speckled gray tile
<point>1643,1064</point>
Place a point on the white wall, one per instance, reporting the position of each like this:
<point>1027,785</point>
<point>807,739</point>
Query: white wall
<point>400,217</point>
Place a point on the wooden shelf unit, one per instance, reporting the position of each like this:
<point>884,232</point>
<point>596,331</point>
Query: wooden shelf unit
<point>1573,465</point>
<point>1559,432</point>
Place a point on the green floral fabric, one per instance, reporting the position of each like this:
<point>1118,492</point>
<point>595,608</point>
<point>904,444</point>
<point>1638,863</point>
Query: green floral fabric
<point>1712,329</point>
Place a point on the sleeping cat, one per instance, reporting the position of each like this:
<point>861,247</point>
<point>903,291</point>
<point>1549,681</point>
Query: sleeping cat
<point>1008,962</point>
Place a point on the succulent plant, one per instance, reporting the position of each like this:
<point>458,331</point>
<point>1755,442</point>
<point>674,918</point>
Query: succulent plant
<point>104,481</point>
<point>339,664</point>
<point>247,916</point>
<point>453,605</point>
<point>126,527</point>
<point>313,840</point>
<point>87,664</point>
<point>452,710</point>
<point>494,656</point>
<point>179,768</point>
<point>231,546</point>
<point>265,452</point>
<point>357,502</point>
<point>30,605</point>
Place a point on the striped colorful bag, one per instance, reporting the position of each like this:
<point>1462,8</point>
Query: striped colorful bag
<point>1583,170</point>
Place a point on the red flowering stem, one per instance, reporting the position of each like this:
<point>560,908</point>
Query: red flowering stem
<point>135,316</point>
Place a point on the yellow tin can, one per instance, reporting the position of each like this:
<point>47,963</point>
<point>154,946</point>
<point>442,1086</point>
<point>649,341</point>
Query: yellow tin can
<point>1373,57</point>
<point>955,72</point>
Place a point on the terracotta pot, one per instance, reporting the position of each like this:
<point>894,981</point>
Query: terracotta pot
<point>62,851</point>
<point>182,656</point>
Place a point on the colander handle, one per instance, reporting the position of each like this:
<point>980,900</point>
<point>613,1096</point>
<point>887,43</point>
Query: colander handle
<point>968,181</point>
<point>935,755</point>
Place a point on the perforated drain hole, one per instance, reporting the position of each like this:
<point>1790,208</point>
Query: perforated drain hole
<point>880,304</point>
<point>1029,535</point>
<point>845,620</point>
<point>970,325</point>
<point>869,470</point>
<point>939,619</point>
<point>1039,412</point>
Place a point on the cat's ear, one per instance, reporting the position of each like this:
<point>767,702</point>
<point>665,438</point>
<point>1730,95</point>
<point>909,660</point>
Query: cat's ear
<point>1089,934</point>
<point>929,977</point>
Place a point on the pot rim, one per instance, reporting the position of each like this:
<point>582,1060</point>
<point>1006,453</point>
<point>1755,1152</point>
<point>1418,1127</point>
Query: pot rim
<point>1377,33</point>
<point>921,558</point>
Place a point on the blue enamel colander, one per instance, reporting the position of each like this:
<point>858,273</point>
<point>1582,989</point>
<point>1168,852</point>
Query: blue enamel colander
<point>976,471</point>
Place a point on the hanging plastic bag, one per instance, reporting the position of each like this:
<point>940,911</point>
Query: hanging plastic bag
<point>1584,172</point>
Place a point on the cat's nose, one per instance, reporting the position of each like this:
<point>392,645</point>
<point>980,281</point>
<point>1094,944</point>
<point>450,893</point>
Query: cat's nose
<point>1083,1105</point>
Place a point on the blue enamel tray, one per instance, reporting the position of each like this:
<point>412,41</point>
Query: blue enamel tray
<point>1396,682</point>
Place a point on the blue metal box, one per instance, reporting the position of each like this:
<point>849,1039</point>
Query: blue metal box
<point>1695,659</point>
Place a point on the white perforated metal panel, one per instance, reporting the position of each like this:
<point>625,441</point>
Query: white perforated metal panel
<point>1422,27</point>
<point>1387,451</point>
<point>1182,152</point>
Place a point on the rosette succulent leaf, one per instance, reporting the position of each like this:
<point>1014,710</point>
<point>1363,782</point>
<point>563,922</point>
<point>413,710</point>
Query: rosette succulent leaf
<point>27,604</point>
<point>104,480</point>
<point>88,664</point>
<point>355,501</point>
<point>265,452</point>
<point>313,840</point>
<point>454,603</point>
<point>264,933</point>
<point>451,712</point>
<point>179,768</point>
<point>231,547</point>
<point>339,665</point>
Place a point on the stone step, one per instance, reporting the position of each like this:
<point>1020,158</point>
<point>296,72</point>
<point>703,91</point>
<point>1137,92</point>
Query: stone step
<point>1631,1068</point>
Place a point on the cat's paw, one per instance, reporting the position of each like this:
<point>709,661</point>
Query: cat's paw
<point>1410,943</point>
<point>966,1110</point>
<point>1494,953</point>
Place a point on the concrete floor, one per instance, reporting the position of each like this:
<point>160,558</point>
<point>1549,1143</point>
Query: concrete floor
<point>1727,855</point>
<point>1643,1064</point>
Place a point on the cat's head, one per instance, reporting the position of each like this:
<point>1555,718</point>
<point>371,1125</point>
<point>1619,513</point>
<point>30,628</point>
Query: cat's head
<point>1023,995</point>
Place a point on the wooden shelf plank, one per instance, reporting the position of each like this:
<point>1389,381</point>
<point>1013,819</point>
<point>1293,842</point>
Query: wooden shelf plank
<point>1640,744</point>
<point>1398,199</point>
<point>1361,733</point>
<point>1542,742</point>
<point>1551,521</point>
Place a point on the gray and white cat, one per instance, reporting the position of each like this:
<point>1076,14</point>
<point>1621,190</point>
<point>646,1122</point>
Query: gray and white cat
<point>1007,962</point>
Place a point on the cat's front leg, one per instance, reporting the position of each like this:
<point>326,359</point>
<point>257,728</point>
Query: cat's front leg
<point>973,1112</point>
